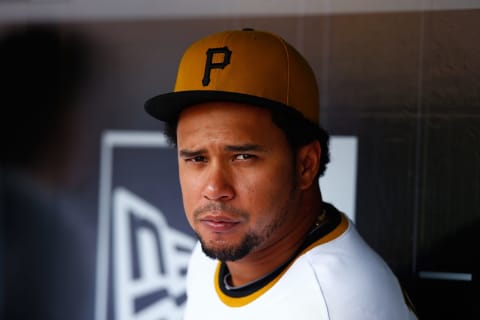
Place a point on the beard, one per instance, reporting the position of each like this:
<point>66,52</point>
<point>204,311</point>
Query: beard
<point>250,241</point>
<point>232,252</point>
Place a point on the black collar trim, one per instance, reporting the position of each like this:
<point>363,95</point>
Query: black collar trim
<point>334,218</point>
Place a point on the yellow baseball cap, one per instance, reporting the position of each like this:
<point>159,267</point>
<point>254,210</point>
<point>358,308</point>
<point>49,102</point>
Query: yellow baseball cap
<point>244,66</point>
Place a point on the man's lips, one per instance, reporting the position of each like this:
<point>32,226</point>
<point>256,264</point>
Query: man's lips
<point>219,223</point>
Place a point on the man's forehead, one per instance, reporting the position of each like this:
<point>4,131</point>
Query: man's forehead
<point>226,124</point>
<point>224,107</point>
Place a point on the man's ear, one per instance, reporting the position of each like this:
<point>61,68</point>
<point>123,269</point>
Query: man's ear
<point>308,164</point>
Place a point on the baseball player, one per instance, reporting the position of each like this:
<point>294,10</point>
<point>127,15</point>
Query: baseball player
<point>244,117</point>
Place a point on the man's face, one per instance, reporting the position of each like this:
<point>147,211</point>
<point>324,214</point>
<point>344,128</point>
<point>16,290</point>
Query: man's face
<point>237,176</point>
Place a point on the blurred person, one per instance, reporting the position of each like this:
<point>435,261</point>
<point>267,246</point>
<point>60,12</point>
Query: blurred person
<point>42,72</point>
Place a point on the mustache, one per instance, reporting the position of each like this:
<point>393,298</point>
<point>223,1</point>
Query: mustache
<point>219,206</point>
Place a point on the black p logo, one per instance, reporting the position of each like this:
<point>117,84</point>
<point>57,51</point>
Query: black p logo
<point>209,64</point>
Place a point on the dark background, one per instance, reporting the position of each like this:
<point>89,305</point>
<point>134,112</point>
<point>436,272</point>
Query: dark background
<point>406,84</point>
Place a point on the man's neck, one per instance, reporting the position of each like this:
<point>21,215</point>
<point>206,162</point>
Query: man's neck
<point>265,260</point>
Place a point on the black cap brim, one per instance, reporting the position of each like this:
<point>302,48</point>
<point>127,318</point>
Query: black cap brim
<point>167,107</point>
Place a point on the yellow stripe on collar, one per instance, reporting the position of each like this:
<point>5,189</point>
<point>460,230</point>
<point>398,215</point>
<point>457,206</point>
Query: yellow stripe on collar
<point>236,302</point>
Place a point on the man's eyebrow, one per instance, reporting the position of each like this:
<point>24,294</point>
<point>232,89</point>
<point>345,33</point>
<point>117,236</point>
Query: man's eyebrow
<point>245,147</point>
<point>184,153</point>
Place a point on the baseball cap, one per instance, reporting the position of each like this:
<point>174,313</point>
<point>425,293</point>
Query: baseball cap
<point>244,66</point>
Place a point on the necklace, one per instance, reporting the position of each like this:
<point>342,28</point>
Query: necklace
<point>319,221</point>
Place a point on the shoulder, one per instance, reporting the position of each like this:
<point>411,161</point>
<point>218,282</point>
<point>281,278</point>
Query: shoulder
<point>350,273</point>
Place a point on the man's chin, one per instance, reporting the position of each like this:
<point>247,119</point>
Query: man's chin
<point>225,253</point>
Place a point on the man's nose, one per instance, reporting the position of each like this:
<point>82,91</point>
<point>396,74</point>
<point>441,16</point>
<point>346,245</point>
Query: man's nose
<point>218,186</point>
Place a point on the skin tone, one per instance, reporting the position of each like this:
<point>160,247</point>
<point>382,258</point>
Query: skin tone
<point>248,198</point>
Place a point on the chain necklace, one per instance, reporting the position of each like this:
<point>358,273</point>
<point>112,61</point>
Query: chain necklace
<point>319,221</point>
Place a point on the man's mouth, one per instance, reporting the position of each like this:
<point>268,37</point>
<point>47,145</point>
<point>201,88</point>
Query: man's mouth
<point>219,223</point>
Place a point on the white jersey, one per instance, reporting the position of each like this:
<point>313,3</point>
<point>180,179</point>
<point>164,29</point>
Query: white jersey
<point>337,276</point>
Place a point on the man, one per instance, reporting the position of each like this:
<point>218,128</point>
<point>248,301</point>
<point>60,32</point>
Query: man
<point>244,116</point>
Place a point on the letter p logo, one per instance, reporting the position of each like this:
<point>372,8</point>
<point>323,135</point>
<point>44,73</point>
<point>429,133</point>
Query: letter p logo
<point>210,64</point>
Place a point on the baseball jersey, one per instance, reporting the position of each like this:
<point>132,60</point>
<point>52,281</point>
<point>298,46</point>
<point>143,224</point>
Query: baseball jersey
<point>335,275</point>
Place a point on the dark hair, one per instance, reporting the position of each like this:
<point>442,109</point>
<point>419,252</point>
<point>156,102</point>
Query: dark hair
<point>298,131</point>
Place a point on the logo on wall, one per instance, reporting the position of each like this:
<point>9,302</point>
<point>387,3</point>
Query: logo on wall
<point>144,240</point>
<point>150,259</point>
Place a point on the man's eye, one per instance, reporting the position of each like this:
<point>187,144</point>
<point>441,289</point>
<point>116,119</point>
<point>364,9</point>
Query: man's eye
<point>244,156</point>
<point>197,159</point>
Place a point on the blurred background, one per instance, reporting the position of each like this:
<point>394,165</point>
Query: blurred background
<point>91,223</point>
